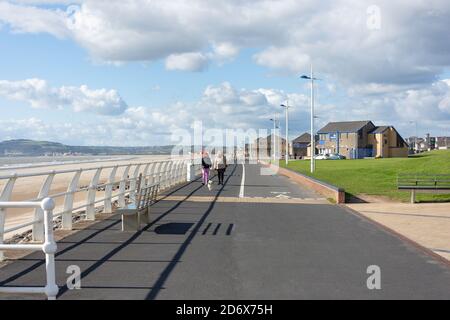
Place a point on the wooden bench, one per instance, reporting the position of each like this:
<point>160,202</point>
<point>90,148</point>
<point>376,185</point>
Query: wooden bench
<point>423,183</point>
<point>138,211</point>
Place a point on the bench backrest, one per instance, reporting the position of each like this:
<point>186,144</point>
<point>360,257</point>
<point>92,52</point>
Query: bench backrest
<point>423,181</point>
<point>146,195</point>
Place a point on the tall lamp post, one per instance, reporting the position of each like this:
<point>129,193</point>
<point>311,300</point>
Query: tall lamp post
<point>274,146</point>
<point>415,138</point>
<point>286,106</point>
<point>313,138</point>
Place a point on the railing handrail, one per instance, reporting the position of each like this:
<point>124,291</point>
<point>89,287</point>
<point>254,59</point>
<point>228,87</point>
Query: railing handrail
<point>46,173</point>
<point>48,246</point>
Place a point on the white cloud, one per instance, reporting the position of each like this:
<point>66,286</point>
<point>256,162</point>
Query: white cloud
<point>224,106</point>
<point>39,94</point>
<point>220,107</point>
<point>225,51</point>
<point>286,58</point>
<point>30,19</point>
<point>409,47</point>
<point>191,61</point>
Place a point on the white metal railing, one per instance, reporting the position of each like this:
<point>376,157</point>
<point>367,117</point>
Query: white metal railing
<point>48,247</point>
<point>166,173</point>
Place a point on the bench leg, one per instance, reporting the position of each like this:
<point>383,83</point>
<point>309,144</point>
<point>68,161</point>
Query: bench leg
<point>413,196</point>
<point>130,222</point>
<point>145,216</point>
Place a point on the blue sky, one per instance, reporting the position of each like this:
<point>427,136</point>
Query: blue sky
<point>112,75</point>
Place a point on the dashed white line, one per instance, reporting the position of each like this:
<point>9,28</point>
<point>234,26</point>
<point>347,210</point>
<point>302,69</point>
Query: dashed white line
<point>241,191</point>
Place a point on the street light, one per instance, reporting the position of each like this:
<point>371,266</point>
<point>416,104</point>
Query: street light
<point>286,106</point>
<point>274,146</point>
<point>313,138</point>
<point>415,138</point>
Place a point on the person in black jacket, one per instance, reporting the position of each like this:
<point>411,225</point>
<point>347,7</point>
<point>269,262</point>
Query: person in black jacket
<point>206,165</point>
<point>220,164</point>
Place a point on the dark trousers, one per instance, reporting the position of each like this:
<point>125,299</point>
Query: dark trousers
<point>220,174</point>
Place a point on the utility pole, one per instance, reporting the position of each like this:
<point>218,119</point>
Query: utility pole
<point>313,138</point>
<point>286,106</point>
<point>273,143</point>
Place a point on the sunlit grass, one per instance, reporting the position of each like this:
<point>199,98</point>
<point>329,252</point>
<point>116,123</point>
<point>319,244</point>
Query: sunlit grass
<point>378,176</point>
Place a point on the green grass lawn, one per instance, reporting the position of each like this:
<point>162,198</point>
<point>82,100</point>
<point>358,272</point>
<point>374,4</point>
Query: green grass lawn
<point>378,176</point>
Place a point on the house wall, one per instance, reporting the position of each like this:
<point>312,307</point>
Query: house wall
<point>300,152</point>
<point>394,141</point>
<point>385,145</point>
<point>347,143</point>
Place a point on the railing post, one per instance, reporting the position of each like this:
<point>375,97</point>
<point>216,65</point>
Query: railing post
<point>5,196</point>
<point>145,182</point>
<point>122,186</point>
<point>133,183</point>
<point>176,175</point>
<point>168,175</point>
<point>151,177</point>
<point>49,248</point>
<point>180,172</point>
<point>68,201</point>
<point>38,226</point>
<point>162,170</point>
<point>155,172</point>
<point>90,205</point>
<point>413,196</point>
<point>108,191</point>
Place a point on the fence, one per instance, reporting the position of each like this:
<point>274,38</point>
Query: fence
<point>165,173</point>
<point>48,247</point>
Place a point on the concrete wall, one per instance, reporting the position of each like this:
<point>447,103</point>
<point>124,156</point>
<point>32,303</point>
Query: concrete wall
<point>327,190</point>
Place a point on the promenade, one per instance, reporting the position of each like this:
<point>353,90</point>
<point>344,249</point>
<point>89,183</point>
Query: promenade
<point>256,237</point>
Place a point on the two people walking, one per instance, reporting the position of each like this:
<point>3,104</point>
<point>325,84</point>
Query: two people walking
<point>220,165</point>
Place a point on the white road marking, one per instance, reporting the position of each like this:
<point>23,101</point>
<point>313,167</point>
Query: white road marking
<point>241,191</point>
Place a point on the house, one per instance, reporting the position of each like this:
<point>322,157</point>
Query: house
<point>360,139</point>
<point>443,143</point>
<point>301,146</point>
<point>418,144</point>
<point>261,148</point>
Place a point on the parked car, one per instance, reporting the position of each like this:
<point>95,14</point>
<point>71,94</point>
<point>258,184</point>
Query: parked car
<point>336,156</point>
<point>327,156</point>
<point>322,156</point>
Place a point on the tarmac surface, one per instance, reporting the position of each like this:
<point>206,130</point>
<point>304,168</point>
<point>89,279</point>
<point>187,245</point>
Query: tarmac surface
<point>271,239</point>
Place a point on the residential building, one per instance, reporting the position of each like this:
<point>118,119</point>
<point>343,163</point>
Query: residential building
<point>261,148</point>
<point>419,144</point>
<point>301,146</point>
<point>443,143</point>
<point>360,139</point>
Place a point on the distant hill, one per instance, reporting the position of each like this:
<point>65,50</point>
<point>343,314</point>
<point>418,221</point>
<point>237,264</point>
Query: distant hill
<point>24,147</point>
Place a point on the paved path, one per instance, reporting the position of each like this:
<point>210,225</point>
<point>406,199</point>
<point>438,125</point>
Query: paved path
<point>290,245</point>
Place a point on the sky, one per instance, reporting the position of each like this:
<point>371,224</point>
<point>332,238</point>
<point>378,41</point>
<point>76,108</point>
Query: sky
<point>132,72</point>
